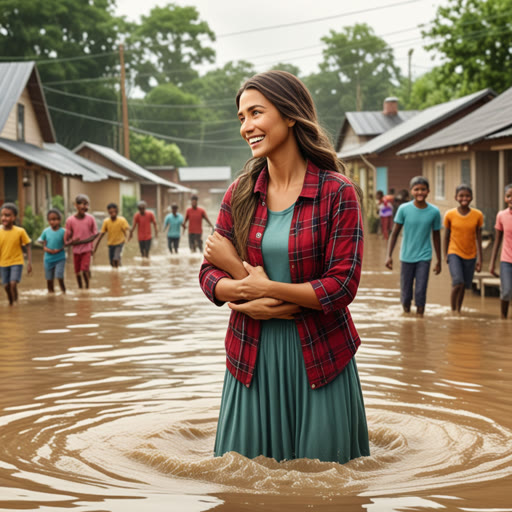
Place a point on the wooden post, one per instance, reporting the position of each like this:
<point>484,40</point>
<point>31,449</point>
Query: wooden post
<point>126,129</point>
<point>21,194</point>
<point>159,213</point>
<point>501,178</point>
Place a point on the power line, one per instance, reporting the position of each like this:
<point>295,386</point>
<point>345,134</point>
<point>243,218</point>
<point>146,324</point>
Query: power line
<point>210,143</point>
<point>144,105</point>
<point>315,20</point>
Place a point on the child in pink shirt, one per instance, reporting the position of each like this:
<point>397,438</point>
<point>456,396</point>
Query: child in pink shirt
<point>503,232</point>
<point>81,230</point>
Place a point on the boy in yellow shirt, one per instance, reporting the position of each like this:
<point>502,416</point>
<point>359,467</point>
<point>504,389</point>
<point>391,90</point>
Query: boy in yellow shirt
<point>118,229</point>
<point>12,241</point>
<point>463,244</point>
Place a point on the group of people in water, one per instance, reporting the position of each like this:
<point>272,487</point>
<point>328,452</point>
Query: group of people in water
<point>421,222</point>
<point>81,234</point>
<point>286,256</point>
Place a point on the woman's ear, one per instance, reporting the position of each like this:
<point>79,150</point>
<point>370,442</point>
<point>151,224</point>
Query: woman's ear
<point>291,122</point>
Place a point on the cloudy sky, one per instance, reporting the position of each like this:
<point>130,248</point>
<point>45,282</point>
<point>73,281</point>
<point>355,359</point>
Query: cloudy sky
<point>396,21</point>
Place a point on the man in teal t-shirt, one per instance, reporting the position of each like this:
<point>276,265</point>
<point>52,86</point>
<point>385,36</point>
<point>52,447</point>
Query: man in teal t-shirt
<point>173,222</point>
<point>419,219</point>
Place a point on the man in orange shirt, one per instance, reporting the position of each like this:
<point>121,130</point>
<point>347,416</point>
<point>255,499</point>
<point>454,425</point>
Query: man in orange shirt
<point>195,215</point>
<point>143,219</point>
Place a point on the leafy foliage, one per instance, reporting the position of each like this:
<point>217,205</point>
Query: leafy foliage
<point>32,223</point>
<point>167,43</point>
<point>129,207</point>
<point>474,38</point>
<point>146,150</point>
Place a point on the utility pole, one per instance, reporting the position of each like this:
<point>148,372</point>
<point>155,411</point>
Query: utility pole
<point>410,74</point>
<point>126,130</point>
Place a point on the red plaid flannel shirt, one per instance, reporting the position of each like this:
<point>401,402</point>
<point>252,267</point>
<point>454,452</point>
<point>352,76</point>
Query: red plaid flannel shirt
<point>326,249</point>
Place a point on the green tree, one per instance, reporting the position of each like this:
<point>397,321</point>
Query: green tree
<point>167,44</point>
<point>285,66</point>
<point>363,63</point>
<point>429,89</point>
<point>146,150</point>
<point>75,41</point>
<point>358,71</point>
<point>473,38</point>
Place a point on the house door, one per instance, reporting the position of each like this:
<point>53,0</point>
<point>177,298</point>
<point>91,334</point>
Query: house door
<point>10,184</point>
<point>382,179</point>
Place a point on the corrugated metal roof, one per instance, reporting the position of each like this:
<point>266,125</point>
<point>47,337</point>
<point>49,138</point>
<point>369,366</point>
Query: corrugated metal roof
<point>488,119</point>
<point>204,173</point>
<point>375,123</point>
<point>48,159</point>
<point>13,80</point>
<point>14,77</point>
<point>103,173</point>
<point>125,163</point>
<point>504,133</point>
<point>416,124</point>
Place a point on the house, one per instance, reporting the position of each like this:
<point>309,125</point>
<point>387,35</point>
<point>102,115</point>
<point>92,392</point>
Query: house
<point>31,171</point>
<point>477,150</point>
<point>141,183</point>
<point>360,127</point>
<point>377,161</point>
<point>106,189</point>
<point>209,183</point>
<point>181,194</point>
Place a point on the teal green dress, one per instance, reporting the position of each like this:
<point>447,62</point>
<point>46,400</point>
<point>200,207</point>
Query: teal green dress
<point>279,415</point>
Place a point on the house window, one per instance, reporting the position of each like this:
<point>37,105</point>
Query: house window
<point>439,192</point>
<point>21,122</point>
<point>465,172</point>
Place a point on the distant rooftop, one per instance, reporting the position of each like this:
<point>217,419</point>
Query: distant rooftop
<point>416,124</point>
<point>14,77</point>
<point>493,118</point>
<point>125,163</point>
<point>204,173</point>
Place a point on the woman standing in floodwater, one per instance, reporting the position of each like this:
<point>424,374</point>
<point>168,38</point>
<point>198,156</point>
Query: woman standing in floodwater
<point>288,242</point>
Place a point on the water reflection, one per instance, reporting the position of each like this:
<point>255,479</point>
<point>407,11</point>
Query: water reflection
<point>110,397</point>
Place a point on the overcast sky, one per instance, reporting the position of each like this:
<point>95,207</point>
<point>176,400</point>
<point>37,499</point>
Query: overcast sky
<point>301,45</point>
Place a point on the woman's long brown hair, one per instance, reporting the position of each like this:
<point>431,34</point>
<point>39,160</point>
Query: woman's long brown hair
<point>293,101</point>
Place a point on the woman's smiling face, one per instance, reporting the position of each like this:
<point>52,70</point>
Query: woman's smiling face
<point>262,125</point>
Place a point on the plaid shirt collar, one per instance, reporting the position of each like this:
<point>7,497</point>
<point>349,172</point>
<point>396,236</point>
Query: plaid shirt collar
<point>310,189</point>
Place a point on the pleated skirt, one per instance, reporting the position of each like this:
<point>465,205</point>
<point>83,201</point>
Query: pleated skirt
<point>280,416</point>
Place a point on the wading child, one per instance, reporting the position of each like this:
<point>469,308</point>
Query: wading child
<point>503,233</point>
<point>52,239</point>
<point>385,207</point>
<point>12,241</point>
<point>118,230</point>
<point>195,214</point>
<point>419,219</point>
<point>463,244</point>
<point>142,220</point>
<point>81,230</point>
<point>173,221</point>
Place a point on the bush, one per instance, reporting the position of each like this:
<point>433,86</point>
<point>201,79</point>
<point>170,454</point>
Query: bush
<point>129,207</point>
<point>33,224</point>
<point>58,202</point>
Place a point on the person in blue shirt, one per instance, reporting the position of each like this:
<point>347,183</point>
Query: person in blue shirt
<point>419,220</point>
<point>173,222</point>
<point>52,239</point>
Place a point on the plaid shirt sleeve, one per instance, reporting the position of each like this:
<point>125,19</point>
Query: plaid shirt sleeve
<point>338,284</point>
<point>210,275</point>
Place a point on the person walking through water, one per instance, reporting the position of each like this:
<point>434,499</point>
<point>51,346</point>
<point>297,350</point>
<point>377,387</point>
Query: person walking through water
<point>287,256</point>
<point>195,215</point>
<point>463,244</point>
<point>503,233</point>
<point>142,220</point>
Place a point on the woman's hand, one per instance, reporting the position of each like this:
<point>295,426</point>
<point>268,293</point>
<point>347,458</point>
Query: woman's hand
<point>219,251</point>
<point>266,308</point>
<point>256,284</point>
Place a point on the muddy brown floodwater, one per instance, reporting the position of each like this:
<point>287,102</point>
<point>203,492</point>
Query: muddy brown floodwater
<point>109,400</point>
